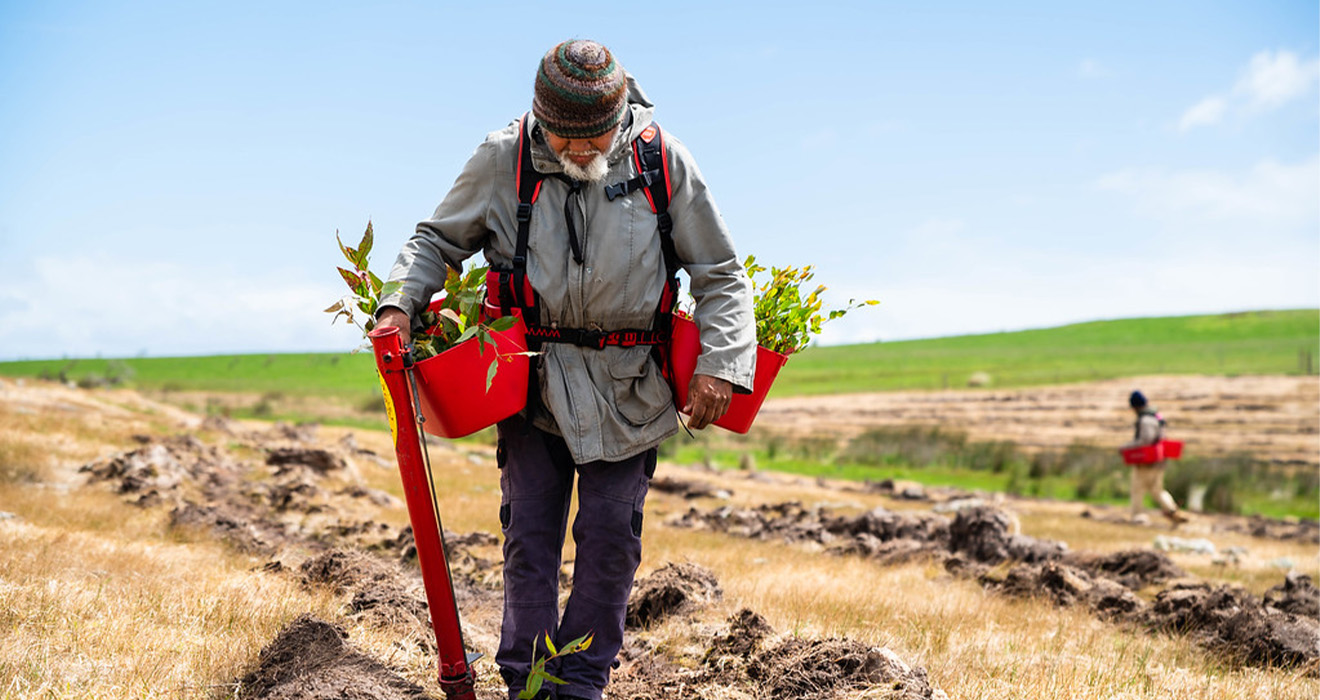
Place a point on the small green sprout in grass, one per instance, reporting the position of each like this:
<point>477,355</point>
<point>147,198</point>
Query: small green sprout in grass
<point>786,320</point>
<point>539,676</point>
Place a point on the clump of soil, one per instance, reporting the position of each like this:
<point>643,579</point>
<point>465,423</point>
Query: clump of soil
<point>1238,624</point>
<point>232,523</point>
<point>672,589</point>
<point>1296,595</point>
<point>378,589</point>
<point>310,660</point>
<point>986,535</point>
<point>1065,585</point>
<point>747,656</point>
<point>1133,568</point>
<point>796,667</point>
<point>687,489</point>
<point>315,458</point>
<point>1302,530</point>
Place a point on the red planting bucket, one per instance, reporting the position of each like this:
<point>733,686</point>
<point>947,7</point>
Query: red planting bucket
<point>1150,454</point>
<point>451,386</point>
<point>685,346</point>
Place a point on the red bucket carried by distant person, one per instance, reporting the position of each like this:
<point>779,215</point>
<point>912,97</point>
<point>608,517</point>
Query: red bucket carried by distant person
<point>1150,454</point>
<point>685,346</point>
<point>451,387</point>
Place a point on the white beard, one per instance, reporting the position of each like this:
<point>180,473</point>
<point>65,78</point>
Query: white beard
<point>595,171</point>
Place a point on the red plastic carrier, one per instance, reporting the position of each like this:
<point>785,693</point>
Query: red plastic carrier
<point>685,346</point>
<point>451,386</point>
<point>1150,454</point>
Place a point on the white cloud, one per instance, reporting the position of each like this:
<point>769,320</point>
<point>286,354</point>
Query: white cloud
<point>1274,79</point>
<point>1269,194</point>
<point>1270,80</point>
<point>83,307</point>
<point>1204,113</point>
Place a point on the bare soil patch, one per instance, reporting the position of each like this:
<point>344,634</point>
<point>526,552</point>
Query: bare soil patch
<point>1274,418</point>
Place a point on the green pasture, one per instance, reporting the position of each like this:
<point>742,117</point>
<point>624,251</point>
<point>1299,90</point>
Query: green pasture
<point>1259,342</point>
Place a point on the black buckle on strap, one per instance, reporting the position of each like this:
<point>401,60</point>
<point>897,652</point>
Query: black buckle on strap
<point>524,212</point>
<point>592,338</point>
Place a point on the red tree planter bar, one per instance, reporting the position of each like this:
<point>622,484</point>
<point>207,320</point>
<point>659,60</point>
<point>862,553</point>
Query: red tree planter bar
<point>455,670</point>
<point>685,346</point>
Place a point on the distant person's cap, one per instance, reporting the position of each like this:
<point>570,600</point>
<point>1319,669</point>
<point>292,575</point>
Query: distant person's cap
<point>1137,399</point>
<point>581,91</point>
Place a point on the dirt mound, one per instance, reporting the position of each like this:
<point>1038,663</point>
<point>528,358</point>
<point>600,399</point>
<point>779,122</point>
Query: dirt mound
<point>1133,568</point>
<point>1065,585</point>
<point>1296,595</point>
<point>980,543</point>
<point>791,522</point>
<point>745,659</point>
<point>687,489</point>
<point>161,468</point>
<point>378,588</point>
<point>231,524</point>
<point>310,660</point>
<point>1302,530</point>
<point>1237,624</point>
<point>315,458</point>
<point>672,589</point>
<point>986,535</point>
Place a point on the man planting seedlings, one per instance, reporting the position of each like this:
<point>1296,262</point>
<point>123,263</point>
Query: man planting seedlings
<point>585,211</point>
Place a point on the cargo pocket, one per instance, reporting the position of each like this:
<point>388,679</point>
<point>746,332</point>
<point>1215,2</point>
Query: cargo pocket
<point>640,393</point>
<point>639,500</point>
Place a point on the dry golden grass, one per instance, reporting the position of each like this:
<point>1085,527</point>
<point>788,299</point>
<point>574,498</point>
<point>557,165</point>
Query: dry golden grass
<point>99,599</point>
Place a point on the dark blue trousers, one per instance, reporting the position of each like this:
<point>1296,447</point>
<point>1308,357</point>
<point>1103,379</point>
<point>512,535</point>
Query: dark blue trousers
<point>536,485</point>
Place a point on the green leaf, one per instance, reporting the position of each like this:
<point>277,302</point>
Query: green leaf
<point>549,643</point>
<point>390,288</point>
<point>348,252</point>
<point>364,248</point>
<point>502,324</point>
<point>490,379</point>
<point>554,680</point>
<point>467,334</point>
<point>350,278</point>
<point>376,284</point>
<point>534,682</point>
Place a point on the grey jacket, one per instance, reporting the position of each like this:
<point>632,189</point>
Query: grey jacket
<point>613,403</point>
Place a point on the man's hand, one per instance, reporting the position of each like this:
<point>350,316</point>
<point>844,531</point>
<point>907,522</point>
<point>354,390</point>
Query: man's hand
<point>396,318</point>
<point>708,398</point>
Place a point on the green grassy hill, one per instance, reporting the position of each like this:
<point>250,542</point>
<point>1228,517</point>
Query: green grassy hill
<point>1262,342</point>
<point>1259,342</point>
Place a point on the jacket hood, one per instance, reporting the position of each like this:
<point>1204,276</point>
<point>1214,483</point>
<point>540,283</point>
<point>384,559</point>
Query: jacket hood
<point>641,112</point>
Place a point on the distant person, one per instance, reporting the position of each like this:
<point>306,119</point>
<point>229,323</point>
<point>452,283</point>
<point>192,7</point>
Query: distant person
<point>585,211</point>
<point>1149,478</point>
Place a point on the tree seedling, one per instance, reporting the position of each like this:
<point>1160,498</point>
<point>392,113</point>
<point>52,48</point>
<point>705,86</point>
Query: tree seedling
<point>539,676</point>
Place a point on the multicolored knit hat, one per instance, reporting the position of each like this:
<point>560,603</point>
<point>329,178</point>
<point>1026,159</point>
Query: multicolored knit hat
<point>581,91</point>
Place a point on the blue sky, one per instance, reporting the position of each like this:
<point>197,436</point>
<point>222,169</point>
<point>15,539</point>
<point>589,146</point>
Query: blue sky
<point>172,174</point>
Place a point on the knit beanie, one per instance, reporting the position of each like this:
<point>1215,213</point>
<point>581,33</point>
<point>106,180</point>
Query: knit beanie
<point>581,91</point>
<point>1137,400</point>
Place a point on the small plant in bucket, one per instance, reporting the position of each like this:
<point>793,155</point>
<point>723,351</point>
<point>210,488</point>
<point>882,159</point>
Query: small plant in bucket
<point>444,324</point>
<point>786,320</point>
<point>539,676</point>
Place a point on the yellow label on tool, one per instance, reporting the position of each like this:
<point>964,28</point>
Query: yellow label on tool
<point>389,407</point>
